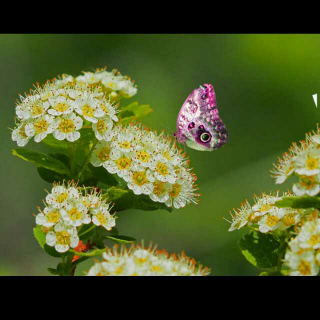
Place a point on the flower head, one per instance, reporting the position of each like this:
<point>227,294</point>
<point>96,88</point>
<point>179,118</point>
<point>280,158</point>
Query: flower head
<point>141,261</point>
<point>151,164</point>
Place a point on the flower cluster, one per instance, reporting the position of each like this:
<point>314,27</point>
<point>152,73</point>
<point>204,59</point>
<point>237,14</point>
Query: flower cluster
<point>151,164</point>
<point>303,256</point>
<point>62,108</point>
<point>265,215</point>
<point>140,261</point>
<point>112,83</point>
<point>304,161</point>
<point>68,208</point>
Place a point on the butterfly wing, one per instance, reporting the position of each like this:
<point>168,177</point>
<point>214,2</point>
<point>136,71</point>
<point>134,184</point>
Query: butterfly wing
<point>199,125</point>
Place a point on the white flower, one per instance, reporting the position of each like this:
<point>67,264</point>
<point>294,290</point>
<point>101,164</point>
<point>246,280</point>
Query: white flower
<point>160,191</point>
<point>301,264</point>
<point>140,261</point>
<point>308,185</point>
<point>309,235</point>
<point>49,217</point>
<point>103,129</point>
<point>307,163</point>
<point>121,164</point>
<point>62,238</point>
<point>102,217</point>
<point>141,182</point>
<point>124,141</point>
<point>270,221</point>
<point>60,195</point>
<point>60,105</point>
<point>101,154</point>
<point>31,108</point>
<point>66,127</point>
<point>88,108</point>
<point>163,170</point>
<point>108,110</point>
<point>75,213</point>
<point>40,127</point>
<point>19,135</point>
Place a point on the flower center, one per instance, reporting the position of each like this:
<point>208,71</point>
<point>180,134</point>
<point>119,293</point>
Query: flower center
<point>125,145</point>
<point>140,178</point>
<point>63,238</point>
<point>162,168</point>
<point>75,214</point>
<point>101,218</point>
<point>288,219</point>
<point>61,197</point>
<point>41,126</point>
<point>66,126</point>
<point>123,163</point>
<point>101,126</point>
<point>87,111</point>
<point>104,154</point>
<point>159,188</point>
<point>156,269</point>
<point>36,110</point>
<point>307,182</point>
<point>265,207</point>
<point>166,155</point>
<point>304,268</point>
<point>53,217</point>
<point>272,221</point>
<point>314,239</point>
<point>22,132</point>
<point>143,156</point>
<point>312,163</point>
<point>175,191</point>
<point>61,107</point>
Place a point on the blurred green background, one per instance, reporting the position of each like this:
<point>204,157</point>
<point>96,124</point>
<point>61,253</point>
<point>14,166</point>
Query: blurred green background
<point>264,86</point>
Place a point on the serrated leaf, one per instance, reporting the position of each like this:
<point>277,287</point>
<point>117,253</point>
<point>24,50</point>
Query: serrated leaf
<point>299,202</point>
<point>40,236</point>
<point>133,111</point>
<point>260,249</point>
<point>121,239</point>
<point>41,160</point>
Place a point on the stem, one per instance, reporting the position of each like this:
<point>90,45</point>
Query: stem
<point>252,228</point>
<point>86,161</point>
<point>88,230</point>
<point>72,152</point>
<point>96,252</point>
<point>281,252</point>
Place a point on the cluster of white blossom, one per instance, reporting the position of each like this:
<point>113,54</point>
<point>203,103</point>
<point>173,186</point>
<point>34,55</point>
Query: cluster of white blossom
<point>63,106</point>
<point>303,161</point>
<point>265,216</point>
<point>68,208</point>
<point>140,261</point>
<point>303,255</point>
<point>151,164</point>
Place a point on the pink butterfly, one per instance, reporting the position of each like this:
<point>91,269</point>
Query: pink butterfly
<point>199,125</point>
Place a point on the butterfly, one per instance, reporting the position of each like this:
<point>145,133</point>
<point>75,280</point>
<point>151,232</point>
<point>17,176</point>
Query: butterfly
<point>199,125</point>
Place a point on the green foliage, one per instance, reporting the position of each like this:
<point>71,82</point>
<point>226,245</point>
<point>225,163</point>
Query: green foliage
<point>100,174</point>
<point>299,202</point>
<point>261,250</point>
<point>42,160</point>
<point>121,239</point>
<point>133,112</point>
<point>39,235</point>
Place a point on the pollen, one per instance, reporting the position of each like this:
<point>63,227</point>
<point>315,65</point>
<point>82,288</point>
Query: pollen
<point>63,238</point>
<point>41,126</point>
<point>66,126</point>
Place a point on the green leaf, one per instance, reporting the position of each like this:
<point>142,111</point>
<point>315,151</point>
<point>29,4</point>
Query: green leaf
<point>126,199</point>
<point>133,112</point>
<point>299,202</point>
<point>51,251</point>
<point>102,175</point>
<point>41,160</point>
<point>57,144</point>
<point>54,271</point>
<point>51,176</point>
<point>271,274</point>
<point>39,235</point>
<point>121,239</point>
<point>261,250</point>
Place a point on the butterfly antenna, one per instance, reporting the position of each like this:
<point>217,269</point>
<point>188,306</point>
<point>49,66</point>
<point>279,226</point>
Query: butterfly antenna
<point>165,127</point>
